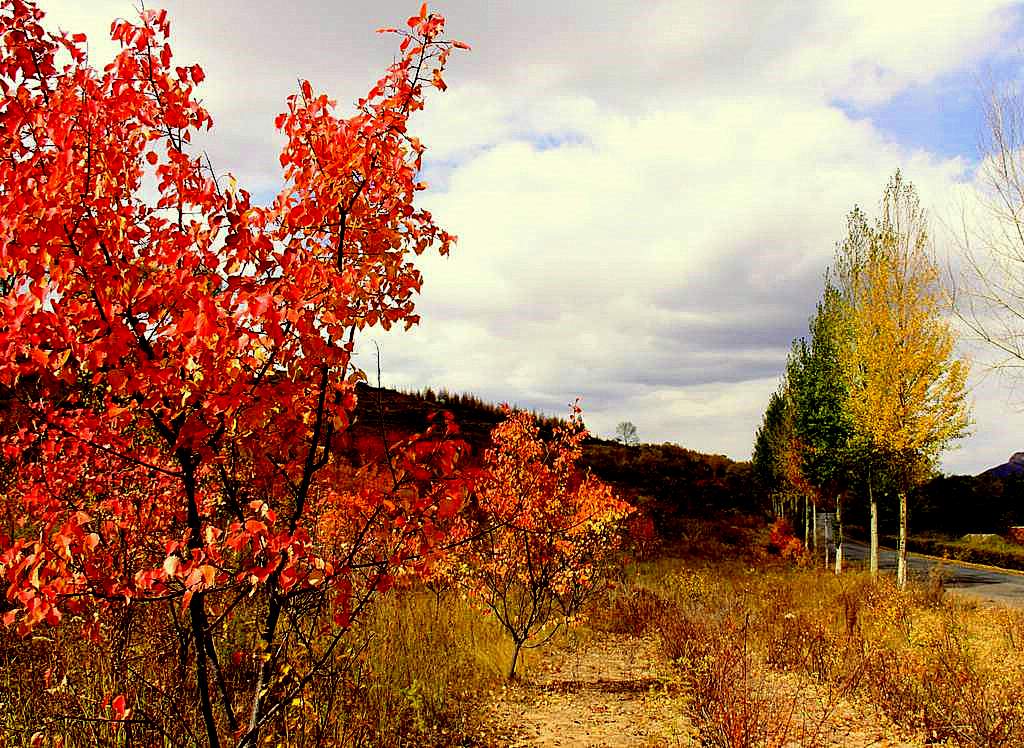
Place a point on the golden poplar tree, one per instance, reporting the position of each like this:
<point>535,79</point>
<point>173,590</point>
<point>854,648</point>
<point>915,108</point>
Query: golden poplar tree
<point>907,386</point>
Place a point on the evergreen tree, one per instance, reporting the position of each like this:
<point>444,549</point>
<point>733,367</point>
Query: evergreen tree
<point>820,394</point>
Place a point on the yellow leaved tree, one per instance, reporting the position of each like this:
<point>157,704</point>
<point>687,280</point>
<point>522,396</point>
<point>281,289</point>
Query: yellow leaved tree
<point>907,387</point>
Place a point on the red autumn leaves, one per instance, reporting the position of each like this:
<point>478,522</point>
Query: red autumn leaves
<point>190,354</point>
<point>178,365</point>
<point>545,533</point>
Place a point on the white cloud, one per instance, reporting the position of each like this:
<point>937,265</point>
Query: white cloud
<point>646,194</point>
<point>662,266</point>
<point>865,51</point>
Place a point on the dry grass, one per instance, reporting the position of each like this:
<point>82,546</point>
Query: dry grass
<point>412,672</point>
<point>766,654</point>
<point>994,550</point>
<point>769,653</point>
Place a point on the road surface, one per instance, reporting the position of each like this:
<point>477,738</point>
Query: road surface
<point>999,586</point>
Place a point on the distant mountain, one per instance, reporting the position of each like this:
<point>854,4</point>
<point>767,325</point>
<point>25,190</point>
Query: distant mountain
<point>1013,467</point>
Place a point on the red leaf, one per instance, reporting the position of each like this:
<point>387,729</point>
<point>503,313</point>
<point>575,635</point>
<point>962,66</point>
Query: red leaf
<point>119,708</point>
<point>209,574</point>
<point>40,356</point>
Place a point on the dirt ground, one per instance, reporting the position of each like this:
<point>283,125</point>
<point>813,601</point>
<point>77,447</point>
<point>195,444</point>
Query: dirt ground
<point>606,690</point>
<point>615,690</point>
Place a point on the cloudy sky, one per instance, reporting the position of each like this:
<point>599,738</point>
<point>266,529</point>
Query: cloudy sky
<point>646,193</point>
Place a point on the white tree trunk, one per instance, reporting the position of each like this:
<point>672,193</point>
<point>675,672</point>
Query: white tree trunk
<point>874,533</point>
<point>901,561</point>
<point>814,528</point>
<point>807,524</point>
<point>839,534</point>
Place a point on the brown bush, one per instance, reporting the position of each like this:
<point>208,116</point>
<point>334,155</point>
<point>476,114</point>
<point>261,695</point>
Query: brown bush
<point>628,611</point>
<point>934,665</point>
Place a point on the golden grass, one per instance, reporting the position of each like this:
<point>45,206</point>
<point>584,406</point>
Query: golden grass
<point>752,642</point>
<point>936,666</point>
<point>413,671</point>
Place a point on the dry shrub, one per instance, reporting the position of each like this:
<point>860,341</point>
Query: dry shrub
<point>1010,622</point>
<point>731,702</point>
<point>932,664</point>
<point>706,632</point>
<point>932,591</point>
<point>940,683</point>
<point>633,610</point>
<point>411,672</point>
<point>800,643</point>
<point>737,537</point>
<point>58,683</point>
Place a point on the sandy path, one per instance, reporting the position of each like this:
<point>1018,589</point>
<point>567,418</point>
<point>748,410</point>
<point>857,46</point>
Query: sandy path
<point>614,690</point>
<point>610,690</point>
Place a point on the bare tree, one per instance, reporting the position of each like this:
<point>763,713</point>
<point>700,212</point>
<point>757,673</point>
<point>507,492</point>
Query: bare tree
<point>626,433</point>
<point>988,290</point>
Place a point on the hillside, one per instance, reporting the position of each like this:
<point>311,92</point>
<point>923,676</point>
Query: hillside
<point>958,504</point>
<point>667,481</point>
<point>1012,467</point>
<point>402,413</point>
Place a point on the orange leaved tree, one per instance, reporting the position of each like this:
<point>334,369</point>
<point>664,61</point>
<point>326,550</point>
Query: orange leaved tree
<point>179,361</point>
<point>545,532</point>
<point>907,386</point>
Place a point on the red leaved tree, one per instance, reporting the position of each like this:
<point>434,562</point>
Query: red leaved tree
<point>180,359</point>
<point>544,532</point>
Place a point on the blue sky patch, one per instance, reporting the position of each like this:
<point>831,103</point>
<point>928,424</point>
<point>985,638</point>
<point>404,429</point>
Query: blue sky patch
<point>944,117</point>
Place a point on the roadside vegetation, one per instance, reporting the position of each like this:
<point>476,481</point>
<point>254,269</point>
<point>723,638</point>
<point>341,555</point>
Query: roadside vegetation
<point>201,542</point>
<point>876,391</point>
<point>772,653</point>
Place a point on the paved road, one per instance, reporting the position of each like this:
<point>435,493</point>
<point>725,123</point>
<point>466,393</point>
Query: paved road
<point>1002,587</point>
